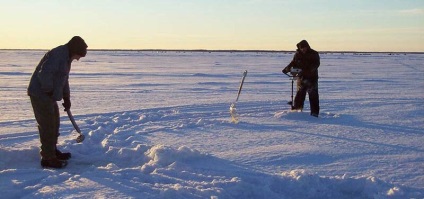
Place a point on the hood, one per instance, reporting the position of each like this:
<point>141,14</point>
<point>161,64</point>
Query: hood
<point>77,46</point>
<point>303,43</point>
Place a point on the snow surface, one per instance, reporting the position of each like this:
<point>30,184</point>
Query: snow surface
<point>157,125</point>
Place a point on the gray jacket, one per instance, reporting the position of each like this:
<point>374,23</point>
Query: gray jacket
<point>50,78</point>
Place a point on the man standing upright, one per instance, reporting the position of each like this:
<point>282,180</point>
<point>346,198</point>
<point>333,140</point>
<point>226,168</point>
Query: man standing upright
<point>308,61</point>
<point>49,84</point>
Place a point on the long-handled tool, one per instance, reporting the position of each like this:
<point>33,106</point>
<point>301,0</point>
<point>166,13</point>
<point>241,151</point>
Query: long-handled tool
<point>81,137</point>
<point>233,110</point>
<point>294,75</point>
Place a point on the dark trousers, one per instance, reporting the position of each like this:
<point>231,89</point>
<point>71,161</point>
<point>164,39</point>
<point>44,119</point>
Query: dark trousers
<point>46,112</point>
<point>310,87</point>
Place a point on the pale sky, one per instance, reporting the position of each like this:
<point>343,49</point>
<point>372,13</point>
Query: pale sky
<point>328,25</point>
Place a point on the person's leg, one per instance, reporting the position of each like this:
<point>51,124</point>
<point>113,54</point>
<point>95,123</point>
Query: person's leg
<point>46,115</point>
<point>314,99</point>
<point>44,112</point>
<point>298,83</point>
<point>56,123</point>
<point>299,99</point>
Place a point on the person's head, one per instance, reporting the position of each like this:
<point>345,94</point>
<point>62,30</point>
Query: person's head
<point>303,46</point>
<point>77,47</point>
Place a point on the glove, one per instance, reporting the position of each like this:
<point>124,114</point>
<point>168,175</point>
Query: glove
<point>300,74</point>
<point>66,103</point>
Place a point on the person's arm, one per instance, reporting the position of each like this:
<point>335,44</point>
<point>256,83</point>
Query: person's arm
<point>315,62</point>
<point>46,73</point>
<point>291,64</point>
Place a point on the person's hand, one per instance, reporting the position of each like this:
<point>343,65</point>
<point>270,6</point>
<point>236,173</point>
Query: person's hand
<point>285,70</point>
<point>300,74</point>
<point>66,103</point>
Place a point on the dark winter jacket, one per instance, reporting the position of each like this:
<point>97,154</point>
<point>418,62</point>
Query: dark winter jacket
<point>308,62</point>
<point>50,78</point>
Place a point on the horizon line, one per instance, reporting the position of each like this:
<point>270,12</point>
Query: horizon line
<point>233,50</point>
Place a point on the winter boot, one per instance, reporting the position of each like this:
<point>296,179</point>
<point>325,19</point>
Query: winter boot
<point>53,163</point>
<point>62,156</point>
<point>298,109</point>
<point>314,114</point>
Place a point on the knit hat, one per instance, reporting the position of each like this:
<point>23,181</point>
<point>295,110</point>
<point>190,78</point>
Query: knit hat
<point>77,46</point>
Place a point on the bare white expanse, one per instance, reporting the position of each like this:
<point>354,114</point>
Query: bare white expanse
<point>157,126</point>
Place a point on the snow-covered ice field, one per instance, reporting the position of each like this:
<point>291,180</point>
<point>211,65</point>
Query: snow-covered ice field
<point>157,125</point>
